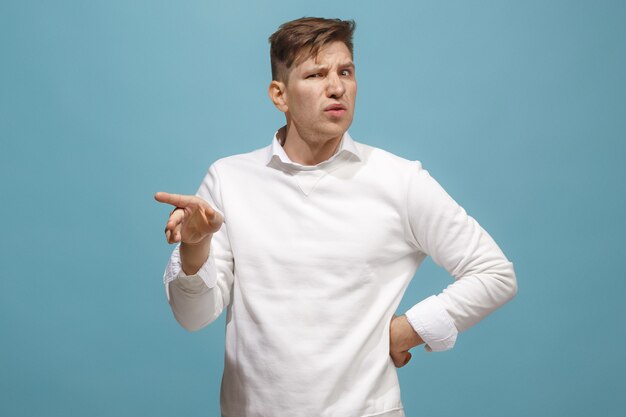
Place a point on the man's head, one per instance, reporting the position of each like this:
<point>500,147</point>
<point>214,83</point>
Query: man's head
<point>314,81</point>
<point>299,39</point>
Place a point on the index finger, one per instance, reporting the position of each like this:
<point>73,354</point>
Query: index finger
<point>177,200</point>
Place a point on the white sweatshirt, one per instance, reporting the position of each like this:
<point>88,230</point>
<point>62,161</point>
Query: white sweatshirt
<point>311,264</point>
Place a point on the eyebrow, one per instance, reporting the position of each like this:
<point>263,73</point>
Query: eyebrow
<point>348,64</point>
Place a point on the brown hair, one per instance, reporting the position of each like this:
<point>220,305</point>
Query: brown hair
<point>299,39</point>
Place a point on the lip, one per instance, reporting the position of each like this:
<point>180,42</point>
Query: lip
<point>335,110</point>
<point>335,107</point>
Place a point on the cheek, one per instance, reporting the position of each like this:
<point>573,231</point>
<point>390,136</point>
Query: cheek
<point>353,91</point>
<point>305,104</point>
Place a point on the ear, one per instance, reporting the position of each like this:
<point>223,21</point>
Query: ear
<point>278,95</point>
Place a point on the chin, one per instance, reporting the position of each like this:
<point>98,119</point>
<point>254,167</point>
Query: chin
<point>332,134</point>
<point>336,129</point>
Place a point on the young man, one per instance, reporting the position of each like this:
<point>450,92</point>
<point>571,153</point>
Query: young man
<point>310,243</point>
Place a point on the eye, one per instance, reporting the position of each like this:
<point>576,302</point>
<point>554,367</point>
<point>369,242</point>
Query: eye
<point>345,73</point>
<point>316,75</point>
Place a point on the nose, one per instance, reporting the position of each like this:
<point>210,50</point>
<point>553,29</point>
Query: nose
<point>335,87</point>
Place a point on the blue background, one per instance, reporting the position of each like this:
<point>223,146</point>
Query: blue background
<point>517,107</point>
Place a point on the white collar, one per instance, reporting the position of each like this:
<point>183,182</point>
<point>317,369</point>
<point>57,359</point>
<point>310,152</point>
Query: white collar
<point>278,155</point>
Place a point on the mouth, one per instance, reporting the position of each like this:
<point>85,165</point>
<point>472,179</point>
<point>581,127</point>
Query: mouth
<point>335,110</point>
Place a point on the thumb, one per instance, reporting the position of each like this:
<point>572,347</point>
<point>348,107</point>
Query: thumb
<point>400,358</point>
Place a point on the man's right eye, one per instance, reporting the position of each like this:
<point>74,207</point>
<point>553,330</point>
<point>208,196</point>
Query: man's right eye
<point>314,75</point>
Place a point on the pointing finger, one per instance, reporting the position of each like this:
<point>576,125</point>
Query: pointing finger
<point>177,200</point>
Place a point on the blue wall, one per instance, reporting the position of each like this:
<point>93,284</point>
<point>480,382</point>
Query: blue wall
<point>517,108</point>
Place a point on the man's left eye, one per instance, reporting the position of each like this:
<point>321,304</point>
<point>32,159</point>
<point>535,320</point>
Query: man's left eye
<point>345,73</point>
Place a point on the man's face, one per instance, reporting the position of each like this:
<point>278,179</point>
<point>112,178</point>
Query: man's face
<point>320,94</point>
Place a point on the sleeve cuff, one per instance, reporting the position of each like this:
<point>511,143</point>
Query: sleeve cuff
<point>433,323</point>
<point>207,272</point>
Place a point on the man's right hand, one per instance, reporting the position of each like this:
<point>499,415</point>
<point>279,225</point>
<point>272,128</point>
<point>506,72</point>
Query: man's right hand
<point>192,221</point>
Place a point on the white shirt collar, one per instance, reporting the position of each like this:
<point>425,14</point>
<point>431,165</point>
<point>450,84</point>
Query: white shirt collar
<point>277,154</point>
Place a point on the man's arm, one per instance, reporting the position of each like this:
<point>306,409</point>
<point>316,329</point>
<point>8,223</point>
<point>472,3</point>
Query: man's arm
<point>198,279</point>
<point>484,278</point>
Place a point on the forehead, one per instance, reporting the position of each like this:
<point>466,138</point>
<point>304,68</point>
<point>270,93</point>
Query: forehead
<point>329,54</point>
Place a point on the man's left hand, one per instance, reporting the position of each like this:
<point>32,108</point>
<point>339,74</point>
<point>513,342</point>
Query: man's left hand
<point>402,337</point>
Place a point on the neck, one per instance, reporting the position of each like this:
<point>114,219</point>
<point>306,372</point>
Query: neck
<point>307,150</point>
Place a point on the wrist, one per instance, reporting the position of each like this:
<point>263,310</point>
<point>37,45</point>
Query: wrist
<point>407,337</point>
<point>203,241</point>
<point>193,255</point>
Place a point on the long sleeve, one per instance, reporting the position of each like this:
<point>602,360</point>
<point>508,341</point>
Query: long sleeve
<point>484,278</point>
<point>197,300</point>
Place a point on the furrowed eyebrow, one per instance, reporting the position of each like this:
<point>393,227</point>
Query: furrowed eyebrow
<point>325,67</point>
<point>317,67</point>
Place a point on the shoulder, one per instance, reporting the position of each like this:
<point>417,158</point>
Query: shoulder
<point>228,171</point>
<point>386,162</point>
<point>255,157</point>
